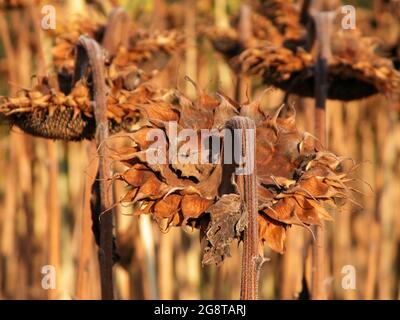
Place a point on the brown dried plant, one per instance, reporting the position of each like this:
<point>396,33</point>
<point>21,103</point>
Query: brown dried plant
<point>47,112</point>
<point>298,182</point>
<point>62,109</point>
<point>284,15</point>
<point>274,22</point>
<point>279,51</point>
<point>355,70</point>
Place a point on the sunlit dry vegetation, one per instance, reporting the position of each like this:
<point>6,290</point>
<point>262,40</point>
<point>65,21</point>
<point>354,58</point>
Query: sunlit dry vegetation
<point>316,219</point>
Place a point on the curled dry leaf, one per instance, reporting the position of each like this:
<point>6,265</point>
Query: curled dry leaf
<point>297,183</point>
<point>227,222</point>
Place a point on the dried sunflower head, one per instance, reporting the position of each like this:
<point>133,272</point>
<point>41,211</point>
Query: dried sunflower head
<point>297,182</point>
<point>47,112</point>
<point>148,50</point>
<point>355,70</point>
<point>276,23</point>
<point>284,15</point>
<point>226,40</point>
<point>67,37</point>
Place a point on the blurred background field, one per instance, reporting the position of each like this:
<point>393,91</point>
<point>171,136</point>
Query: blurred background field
<point>45,185</point>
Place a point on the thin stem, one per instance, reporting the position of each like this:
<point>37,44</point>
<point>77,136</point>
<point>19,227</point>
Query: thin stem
<point>159,14</point>
<point>53,202</point>
<point>117,31</point>
<point>251,259</point>
<point>86,236</point>
<point>323,22</point>
<point>53,214</point>
<point>245,33</point>
<point>307,21</point>
<point>191,54</point>
<point>90,53</point>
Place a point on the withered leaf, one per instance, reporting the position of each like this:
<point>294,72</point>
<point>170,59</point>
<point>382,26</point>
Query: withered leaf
<point>273,233</point>
<point>227,220</point>
<point>193,205</point>
<point>168,206</point>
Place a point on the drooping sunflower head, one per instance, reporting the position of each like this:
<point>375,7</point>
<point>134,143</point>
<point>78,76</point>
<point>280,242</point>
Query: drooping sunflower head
<point>175,170</point>
<point>48,112</point>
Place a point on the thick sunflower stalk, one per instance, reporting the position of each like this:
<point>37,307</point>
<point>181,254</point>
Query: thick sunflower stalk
<point>297,183</point>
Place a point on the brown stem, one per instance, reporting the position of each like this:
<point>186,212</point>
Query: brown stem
<point>38,37</point>
<point>53,204</point>
<point>245,33</point>
<point>251,259</point>
<point>191,55</point>
<point>245,27</point>
<point>90,53</point>
<point>53,214</point>
<point>323,22</point>
<point>307,21</point>
<point>8,47</point>
<point>82,277</point>
<point>117,31</point>
<point>373,257</point>
<point>159,14</point>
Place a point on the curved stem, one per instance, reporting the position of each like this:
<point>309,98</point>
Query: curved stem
<point>117,31</point>
<point>89,53</point>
